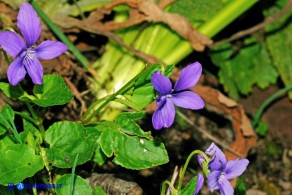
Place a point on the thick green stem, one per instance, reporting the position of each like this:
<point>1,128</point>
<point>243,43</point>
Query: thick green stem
<point>60,34</point>
<point>225,16</point>
<point>210,28</point>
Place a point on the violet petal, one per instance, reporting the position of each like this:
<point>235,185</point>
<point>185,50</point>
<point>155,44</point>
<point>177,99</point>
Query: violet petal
<point>161,83</point>
<point>16,71</point>
<point>200,182</point>
<point>213,180</point>
<point>34,68</point>
<point>201,159</point>
<point>29,24</point>
<point>47,50</point>
<point>218,160</point>
<point>164,115</point>
<point>189,76</point>
<point>234,168</point>
<point>225,186</point>
<point>188,99</point>
<point>12,43</point>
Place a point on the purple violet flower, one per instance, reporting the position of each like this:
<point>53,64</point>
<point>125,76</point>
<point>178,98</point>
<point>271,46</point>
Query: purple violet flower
<point>27,55</point>
<point>223,170</point>
<point>179,95</point>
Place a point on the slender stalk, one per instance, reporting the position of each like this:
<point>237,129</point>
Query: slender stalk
<point>12,127</point>
<point>6,57</point>
<point>182,173</point>
<point>80,57</point>
<point>164,185</point>
<point>73,174</point>
<point>91,112</point>
<point>267,102</point>
<point>36,119</point>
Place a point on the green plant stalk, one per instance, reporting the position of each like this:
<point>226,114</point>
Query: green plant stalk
<point>36,119</point>
<point>73,175</point>
<point>267,102</point>
<point>210,28</point>
<point>92,111</point>
<point>182,173</point>
<point>80,57</point>
<point>6,57</point>
<point>13,128</point>
<point>164,185</point>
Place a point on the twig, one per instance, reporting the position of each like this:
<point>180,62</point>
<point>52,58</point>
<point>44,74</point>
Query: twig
<point>209,136</point>
<point>174,176</point>
<point>257,27</point>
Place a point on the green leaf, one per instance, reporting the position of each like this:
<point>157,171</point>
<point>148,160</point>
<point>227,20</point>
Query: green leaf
<point>146,75</point>
<point>190,188</point>
<point>168,70</point>
<point>239,72</point>
<point>26,165</point>
<point>197,10</point>
<point>6,140</point>
<point>126,123</point>
<point>264,73</point>
<point>99,157</point>
<point>31,135</point>
<point>99,191</point>
<point>131,146</point>
<point>80,185</point>
<point>66,140</point>
<point>14,92</point>
<point>143,95</point>
<point>53,91</point>
<point>240,187</point>
<point>133,152</point>
<point>279,41</point>
<point>6,118</point>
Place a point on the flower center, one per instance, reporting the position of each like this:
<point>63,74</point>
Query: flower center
<point>30,52</point>
<point>220,178</point>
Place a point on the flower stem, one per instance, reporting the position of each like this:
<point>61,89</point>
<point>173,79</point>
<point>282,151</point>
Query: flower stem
<point>164,185</point>
<point>80,57</point>
<point>12,126</point>
<point>73,174</point>
<point>267,102</point>
<point>36,119</point>
<point>6,57</point>
<point>92,111</point>
<point>183,171</point>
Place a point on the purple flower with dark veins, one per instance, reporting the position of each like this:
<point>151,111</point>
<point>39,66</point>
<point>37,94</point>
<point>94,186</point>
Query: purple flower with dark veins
<point>179,95</point>
<point>26,53</point>
<point>223,170</point>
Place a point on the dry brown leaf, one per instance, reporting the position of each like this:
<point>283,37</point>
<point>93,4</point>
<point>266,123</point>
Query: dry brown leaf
<point>226,101</point>
<point>148,10</point>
